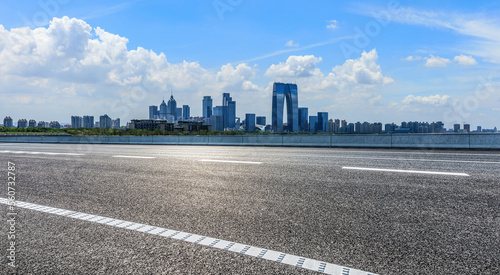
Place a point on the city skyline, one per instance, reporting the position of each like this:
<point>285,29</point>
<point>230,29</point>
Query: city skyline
<point>344,57</point>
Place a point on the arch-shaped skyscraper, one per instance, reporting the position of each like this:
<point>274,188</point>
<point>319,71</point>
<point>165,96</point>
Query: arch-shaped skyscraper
<point>288,92</point>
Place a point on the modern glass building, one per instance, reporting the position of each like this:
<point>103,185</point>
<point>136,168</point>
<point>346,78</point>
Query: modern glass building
<point>282,92</point>
<point>153,112</point>
<point>250,122</point>
<point>207,106</point>
<point>186,112</point>
<point>163,110</point>
<point>230,111</point>
<point>261,120</point>
<point>313,124</point>
<point>322,122</point>
<point>303,114</point>
<point>172,110</point>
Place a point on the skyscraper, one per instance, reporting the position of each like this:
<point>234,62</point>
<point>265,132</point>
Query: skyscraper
<point>32,123</point>
<point>186,112</point>
<point>105,121</point>
<point>282,92</point>
<point>467,128</point>
<point>163,110</point>
<point>178,114</point>
<point>313,124</point>
<point>322,121</point>
<point>76,121</point>
<point>88,121</point>
<point>303,114</point>
<point>250,122</point>
<point>172,110</point>
<point>207,106</point>
<point>22,123</point>
<point>8,122</point>
<point>230,111</point>
<point>153,112</point>
<point>456,128</point>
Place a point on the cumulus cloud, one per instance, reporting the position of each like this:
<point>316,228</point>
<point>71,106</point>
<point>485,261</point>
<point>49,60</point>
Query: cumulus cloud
<point>364,70</point>
<point>71,60</point>
<point>291,43</point>
<point>295,66</point>
<point>465,60</point>
<point>436,100</point>
<point>332,24</point>
<point>412,58</point>
<point>436,61</point>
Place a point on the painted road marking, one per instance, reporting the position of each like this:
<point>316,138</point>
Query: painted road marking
<point>261,253</point>
<point>134,157</point>
<point>230,161</point>
<point>407,171</point>
<point>40,153</point>
<point>431,160</point>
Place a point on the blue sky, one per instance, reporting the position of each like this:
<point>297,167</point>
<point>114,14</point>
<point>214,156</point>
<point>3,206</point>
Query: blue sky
<point>376,61</point>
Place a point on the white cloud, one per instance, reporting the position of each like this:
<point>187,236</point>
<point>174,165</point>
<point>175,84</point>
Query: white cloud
<point>436,61</point>
<point>465,60</point>
<point>483,29</point>
<point>69,61</point>
<point>332,24</point>
<point>412,58</point>
<point>436,100</point>
<point>295,66</point>
<point>291,43</point>
<point>364,70</point>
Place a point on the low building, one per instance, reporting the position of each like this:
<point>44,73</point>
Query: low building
<point>151,124</point>
<point>191,126</point>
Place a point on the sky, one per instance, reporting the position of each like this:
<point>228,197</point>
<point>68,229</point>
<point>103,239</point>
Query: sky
<point>376,61</point>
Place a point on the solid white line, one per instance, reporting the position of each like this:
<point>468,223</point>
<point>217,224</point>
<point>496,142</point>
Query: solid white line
<point>231,161</point>
<point>134,157</point>
<point>40,153</point>
<point>407,171</point>
<point>257,252</point>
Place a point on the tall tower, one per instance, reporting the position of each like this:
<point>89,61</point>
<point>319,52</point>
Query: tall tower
<point>163,110</point>
<point>172,109</point>
<point>229,110</point>
<point>207,106</point>
<point>288,92</point>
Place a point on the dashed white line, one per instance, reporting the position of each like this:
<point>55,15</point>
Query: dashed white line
<point>134,157</point>
<point>40,153</point>
<point>261,253</point>
<point>231,161</point>
<point>429,160</point>
<point>407,171</point>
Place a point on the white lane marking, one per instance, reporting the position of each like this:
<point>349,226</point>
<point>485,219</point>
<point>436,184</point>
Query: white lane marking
<point>431,160</point>
<point>252,251</point>
<point>231,161</point>
<point>407,171</point>
<point>39,153</point>
<point>134,157</point>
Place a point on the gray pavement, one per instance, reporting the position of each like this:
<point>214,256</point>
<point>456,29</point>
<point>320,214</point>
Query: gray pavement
<point>294,200</point>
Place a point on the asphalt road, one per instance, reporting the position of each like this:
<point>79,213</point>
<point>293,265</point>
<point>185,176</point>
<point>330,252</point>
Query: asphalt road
<point>317,203</point>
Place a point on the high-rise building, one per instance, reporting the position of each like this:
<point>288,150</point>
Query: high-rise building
<point>186,112</point>
<point>22,123</point>
<point>456,128</point>
<point>322,122</point>
<point>313,124</point>
<point>207,106</point>
<point>250,122</point>
<point>76,122</point>
<point>467,128</point>
<point>8,122</point>
<point>230,111</point>
<point>32,123</point>
<point>42,124</point>
<point>163,110</point>
<point>115,123</point>
<point>288,92</point>
<point>178,114</point>
<point>55,125</point>
<point>88,121</point>
<point>479,128</point>
<point>216,122</point>
<point>105,121</point>
<point>303,114</point>
<point>261,120</point>
<point>172,110</point>
<point>153,112</point>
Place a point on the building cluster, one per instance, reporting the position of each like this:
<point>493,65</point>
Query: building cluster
<point>88,122</point>
<point>168,117</point>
